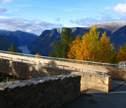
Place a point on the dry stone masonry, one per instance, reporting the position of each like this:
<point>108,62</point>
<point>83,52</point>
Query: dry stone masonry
<point>47,92</point>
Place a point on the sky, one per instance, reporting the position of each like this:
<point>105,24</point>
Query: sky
<point>36,15</point>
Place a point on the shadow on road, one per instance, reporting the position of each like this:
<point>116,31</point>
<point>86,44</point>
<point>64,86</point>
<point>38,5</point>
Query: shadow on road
<point>114,99</point>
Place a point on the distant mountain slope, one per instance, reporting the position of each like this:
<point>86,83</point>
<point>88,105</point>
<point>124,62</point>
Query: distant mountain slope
<point>4,43</point>
<point>118,37</point>
<point>17,38</point>
<point>31,43</point>
<point>44,43</point>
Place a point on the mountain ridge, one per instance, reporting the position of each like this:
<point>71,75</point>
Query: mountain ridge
<point>31,43</point>
<point>48,38</point>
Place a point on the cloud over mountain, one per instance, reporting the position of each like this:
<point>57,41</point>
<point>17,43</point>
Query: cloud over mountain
<point>84,21</point>
<point>26,25</point>
<point>87,21</point>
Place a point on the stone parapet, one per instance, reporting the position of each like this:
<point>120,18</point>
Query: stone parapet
<point>47,92</point>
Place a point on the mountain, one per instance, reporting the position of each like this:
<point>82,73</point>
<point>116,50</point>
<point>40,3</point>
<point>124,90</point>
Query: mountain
<point>43,45</point>
<point>118,37</point>
<point>31,43</point>
<point>18,38</point>
<point>4,43</point>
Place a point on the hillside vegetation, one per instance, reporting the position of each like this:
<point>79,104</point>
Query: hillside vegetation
<point>92,46</point>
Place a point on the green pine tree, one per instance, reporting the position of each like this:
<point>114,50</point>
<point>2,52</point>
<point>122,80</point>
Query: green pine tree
<point>61,47</point>
<point>12,48</point>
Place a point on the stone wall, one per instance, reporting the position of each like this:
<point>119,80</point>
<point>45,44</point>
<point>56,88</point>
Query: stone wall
<point>35,65</point>
<point>94,81</point>
<point>16,69</point>
<point>4,67</point>
<point>117,73</point>
<point>48,92</point>
<point>21,70</point>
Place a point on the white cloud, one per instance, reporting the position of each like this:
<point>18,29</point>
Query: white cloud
<point>26,25</point>
<point>88,21</point>
<point>120,8</point>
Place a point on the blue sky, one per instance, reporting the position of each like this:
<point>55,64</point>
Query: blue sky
<point>37,15</point>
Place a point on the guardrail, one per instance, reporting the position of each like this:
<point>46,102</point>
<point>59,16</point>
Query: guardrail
<point>122,65</point>
<point>61,59</point>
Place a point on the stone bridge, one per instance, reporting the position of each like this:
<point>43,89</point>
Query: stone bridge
<point>94,75</point>
<point>61,63</point>
<point>70,64</point>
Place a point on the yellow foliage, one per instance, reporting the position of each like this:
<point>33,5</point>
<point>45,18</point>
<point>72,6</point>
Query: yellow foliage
<point>85,48</point>
<point>75,49</point>
<point>89,47</point>
<point>121,56</point>
<point>107,53</point>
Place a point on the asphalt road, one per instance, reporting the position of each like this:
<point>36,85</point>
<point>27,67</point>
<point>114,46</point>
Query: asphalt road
<point>115,99</point>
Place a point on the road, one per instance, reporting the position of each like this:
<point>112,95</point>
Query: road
<point>115,99</point>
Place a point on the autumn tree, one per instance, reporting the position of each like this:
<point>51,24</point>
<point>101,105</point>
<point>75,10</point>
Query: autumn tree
<point>107,53</point>
<point>86,48</point>
<point>121,56</point>
<point>75,49</point>
<point>60,48</point>
<point>91,47</point>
